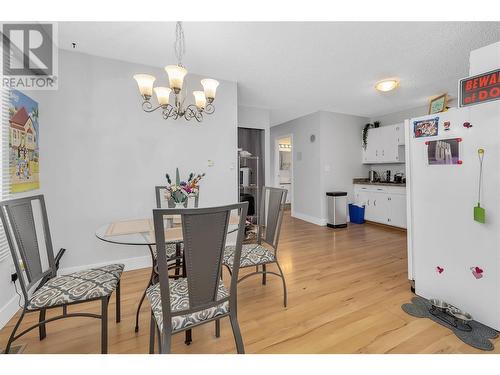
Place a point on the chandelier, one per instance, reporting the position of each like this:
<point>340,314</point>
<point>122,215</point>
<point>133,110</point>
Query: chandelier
<point>176,74</point>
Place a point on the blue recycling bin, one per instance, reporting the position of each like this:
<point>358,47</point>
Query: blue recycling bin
<point>356,214</point>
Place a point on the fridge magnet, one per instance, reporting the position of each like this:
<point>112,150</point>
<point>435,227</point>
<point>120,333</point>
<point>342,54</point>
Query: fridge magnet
<point>426,128</point>
<point>467,125</point>
<point>477,272</point>
<point>438,104</point>
<point>444,152</point>
<point>446,125</point>
<point>439,270</point>
<point>479,212</point>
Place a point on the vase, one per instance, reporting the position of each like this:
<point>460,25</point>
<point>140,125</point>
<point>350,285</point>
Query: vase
<point>179,205</point>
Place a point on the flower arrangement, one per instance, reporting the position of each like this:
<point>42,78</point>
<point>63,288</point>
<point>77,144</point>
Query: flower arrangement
<point>181,190</point>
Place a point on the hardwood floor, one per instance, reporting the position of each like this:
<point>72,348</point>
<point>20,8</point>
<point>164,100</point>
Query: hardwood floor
<point>345,292</point>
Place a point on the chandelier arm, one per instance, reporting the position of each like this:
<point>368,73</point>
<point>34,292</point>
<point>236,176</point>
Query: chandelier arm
<point>209,109</point>
<point>193,112</point>
<point>168,111</point>
<point>148,107</point>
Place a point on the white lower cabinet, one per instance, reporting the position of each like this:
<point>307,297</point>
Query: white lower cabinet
<point>383,204</point>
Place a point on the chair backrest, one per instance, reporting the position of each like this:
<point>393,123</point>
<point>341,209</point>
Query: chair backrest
<point>204,234</point>
<point>20,228</point>
<point>160,193</point>
<point>271,215</point>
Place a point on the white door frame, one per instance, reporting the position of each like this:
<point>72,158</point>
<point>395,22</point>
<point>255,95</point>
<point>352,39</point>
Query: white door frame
<point>277,166</point>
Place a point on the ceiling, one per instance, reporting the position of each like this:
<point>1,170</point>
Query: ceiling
<point>295,68</point>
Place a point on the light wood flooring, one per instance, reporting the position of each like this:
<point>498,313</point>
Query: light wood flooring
<point>345,291</point>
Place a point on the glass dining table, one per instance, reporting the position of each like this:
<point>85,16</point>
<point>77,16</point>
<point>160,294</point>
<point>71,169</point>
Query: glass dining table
<point>140,232</point>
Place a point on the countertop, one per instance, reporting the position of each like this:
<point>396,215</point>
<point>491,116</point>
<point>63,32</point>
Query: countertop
<point>365,181</point>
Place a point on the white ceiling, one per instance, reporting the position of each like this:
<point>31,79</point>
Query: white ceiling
<point>295,68</point>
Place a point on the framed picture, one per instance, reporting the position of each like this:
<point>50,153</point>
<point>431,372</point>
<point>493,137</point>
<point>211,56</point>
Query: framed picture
<point>438,104</point>
<point>426,128</point>
<point>444,152</point>
<point>23,143</point>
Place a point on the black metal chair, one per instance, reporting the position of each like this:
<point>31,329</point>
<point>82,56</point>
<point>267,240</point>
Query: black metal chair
<point>265,251</point>
<point>42,289</point>
<point>180,304</point>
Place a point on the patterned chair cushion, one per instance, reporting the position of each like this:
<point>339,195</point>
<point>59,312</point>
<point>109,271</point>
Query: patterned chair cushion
<point>179,300</point>
<point>77,287</point>
<point>251,255</point>
<point>170,249</point>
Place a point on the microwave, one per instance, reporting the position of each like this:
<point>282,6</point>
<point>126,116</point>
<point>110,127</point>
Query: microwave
<point>245,176</point>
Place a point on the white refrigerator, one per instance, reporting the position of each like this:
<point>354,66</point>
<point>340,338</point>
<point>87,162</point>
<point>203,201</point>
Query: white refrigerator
<point>451,256</point>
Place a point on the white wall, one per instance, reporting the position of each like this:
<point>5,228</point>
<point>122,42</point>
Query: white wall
<point>101,155</point>
<point>258,118</point>
<point>306,201</point>
<point>340,145</point>
<point>400,116</point>
<point>328,164</point>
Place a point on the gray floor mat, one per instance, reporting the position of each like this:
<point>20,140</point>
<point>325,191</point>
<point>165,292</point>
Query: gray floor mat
<point>478,338</point>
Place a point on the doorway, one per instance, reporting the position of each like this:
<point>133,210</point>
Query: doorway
<point>284,167</point>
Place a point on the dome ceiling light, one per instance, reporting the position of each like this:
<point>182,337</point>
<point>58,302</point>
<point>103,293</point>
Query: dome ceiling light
<point>387,84</point>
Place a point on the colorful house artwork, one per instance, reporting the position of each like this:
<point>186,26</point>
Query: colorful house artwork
<point>23,143</point>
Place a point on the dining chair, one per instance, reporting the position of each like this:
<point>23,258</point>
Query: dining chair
<point>173,250</point>
<point>25,221</point>
<point>200,297</point>
<point>265,251</point>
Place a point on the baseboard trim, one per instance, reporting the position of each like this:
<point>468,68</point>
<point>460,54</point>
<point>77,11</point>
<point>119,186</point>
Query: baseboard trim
<point>130,264</point>
<point>11,307</point>
<point>9,310</point>
<point>309,219</point>
<point>385,225</point>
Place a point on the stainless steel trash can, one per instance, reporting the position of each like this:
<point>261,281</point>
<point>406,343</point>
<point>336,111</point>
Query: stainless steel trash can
<point>337,209</point>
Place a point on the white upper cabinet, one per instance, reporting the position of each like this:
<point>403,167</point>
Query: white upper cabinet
<point>385,145</point>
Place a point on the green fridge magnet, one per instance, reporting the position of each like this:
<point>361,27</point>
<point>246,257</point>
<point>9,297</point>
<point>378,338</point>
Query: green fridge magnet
<point>479,212</point>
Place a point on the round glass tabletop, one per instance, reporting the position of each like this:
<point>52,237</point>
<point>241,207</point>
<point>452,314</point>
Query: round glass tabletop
<point>141,231</point>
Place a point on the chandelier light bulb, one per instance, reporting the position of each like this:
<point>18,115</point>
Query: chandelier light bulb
<point>387,84</point>
<point>200,99</point>
<point>176,76</point>
<point>145,83</point>
<point>162,94</point>
<point>210,87</point>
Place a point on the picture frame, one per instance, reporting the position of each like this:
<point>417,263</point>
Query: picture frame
<point>426,128</point>
<point>444,151</point>
<point>438,104</point>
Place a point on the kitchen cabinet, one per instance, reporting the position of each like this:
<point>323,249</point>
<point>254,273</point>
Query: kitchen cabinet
<point>385,145</point>
<point>383,204</point>
<point>397,210</point>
